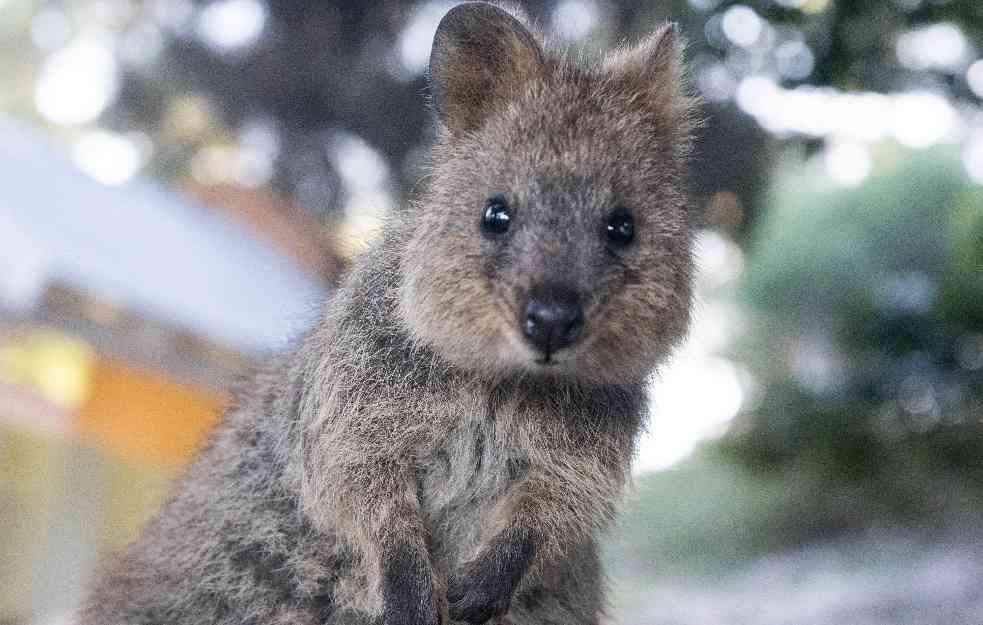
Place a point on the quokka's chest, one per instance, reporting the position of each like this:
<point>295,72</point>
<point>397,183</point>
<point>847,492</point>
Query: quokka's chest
<point>471,465</point>
<point>464,475</point>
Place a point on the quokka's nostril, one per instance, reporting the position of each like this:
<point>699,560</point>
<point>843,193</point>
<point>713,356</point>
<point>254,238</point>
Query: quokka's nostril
<point>572,331</point>
<point>530,325</point>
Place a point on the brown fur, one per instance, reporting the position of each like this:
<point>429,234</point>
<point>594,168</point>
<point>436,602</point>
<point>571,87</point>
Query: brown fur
<point>410,461</point>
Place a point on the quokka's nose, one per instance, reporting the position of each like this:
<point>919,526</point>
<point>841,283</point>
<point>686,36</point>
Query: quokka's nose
<point>552,320</point>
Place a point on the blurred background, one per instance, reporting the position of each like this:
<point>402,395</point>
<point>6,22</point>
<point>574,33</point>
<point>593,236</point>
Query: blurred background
<point>182,182</point>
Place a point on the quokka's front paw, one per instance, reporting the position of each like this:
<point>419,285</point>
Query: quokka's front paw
<point>484,588</point>
<point>408,590</point>
<point>474,598</point>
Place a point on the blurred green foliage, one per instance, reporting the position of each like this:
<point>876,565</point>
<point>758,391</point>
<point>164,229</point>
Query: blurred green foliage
<point>865,342</point>
<point>866,345</point>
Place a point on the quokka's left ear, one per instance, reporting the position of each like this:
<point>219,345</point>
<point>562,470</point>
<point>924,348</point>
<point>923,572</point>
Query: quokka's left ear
<point>654,74</point>
<point>482,56</point>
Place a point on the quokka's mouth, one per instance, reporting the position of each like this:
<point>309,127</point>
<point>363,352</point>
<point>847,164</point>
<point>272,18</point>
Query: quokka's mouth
<point>554,359</point>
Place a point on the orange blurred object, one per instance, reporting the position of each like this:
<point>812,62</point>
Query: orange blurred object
<point>140,415</point>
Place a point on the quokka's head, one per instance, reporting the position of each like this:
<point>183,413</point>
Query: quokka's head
<point>554,236</point>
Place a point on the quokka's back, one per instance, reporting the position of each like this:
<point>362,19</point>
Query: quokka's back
<point>451,439</point>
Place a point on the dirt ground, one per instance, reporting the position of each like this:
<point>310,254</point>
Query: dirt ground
<point>876,581</point>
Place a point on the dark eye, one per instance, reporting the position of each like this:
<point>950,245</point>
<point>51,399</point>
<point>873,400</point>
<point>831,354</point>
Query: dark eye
<point>620,227</point>
<point>497,216</point>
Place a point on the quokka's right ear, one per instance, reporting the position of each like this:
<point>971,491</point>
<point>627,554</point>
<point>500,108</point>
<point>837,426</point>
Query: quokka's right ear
<point>653,72</point>
<point>481,56</point>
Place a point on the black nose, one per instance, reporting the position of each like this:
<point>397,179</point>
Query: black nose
<point>552,320</point>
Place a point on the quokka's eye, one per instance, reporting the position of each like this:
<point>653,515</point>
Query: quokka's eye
<point>497,216</point>
<point>620,227</point>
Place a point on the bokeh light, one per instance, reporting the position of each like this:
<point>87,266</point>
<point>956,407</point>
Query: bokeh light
<point>231,25</point>
<point>78,82</point>
<point>111,158</point>
<point>575,19</point>
<point>848,162</point>
<point>417,36</point>
<point>742,25</point>
<point>940,46</point>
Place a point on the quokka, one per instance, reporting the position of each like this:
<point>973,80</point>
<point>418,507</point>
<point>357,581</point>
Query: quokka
<point>452,438</point>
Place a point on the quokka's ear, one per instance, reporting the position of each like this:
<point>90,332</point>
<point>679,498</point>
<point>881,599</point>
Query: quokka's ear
<point>481,55</point>
<point>653,72</point>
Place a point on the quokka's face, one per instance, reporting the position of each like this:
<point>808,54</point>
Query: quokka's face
<point>555,239</point>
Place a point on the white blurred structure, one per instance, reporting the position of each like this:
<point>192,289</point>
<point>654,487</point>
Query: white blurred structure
<point>142,248</point>
<point>700,391</point>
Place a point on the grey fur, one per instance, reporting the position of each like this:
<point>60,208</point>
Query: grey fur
<point>410,448</point>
